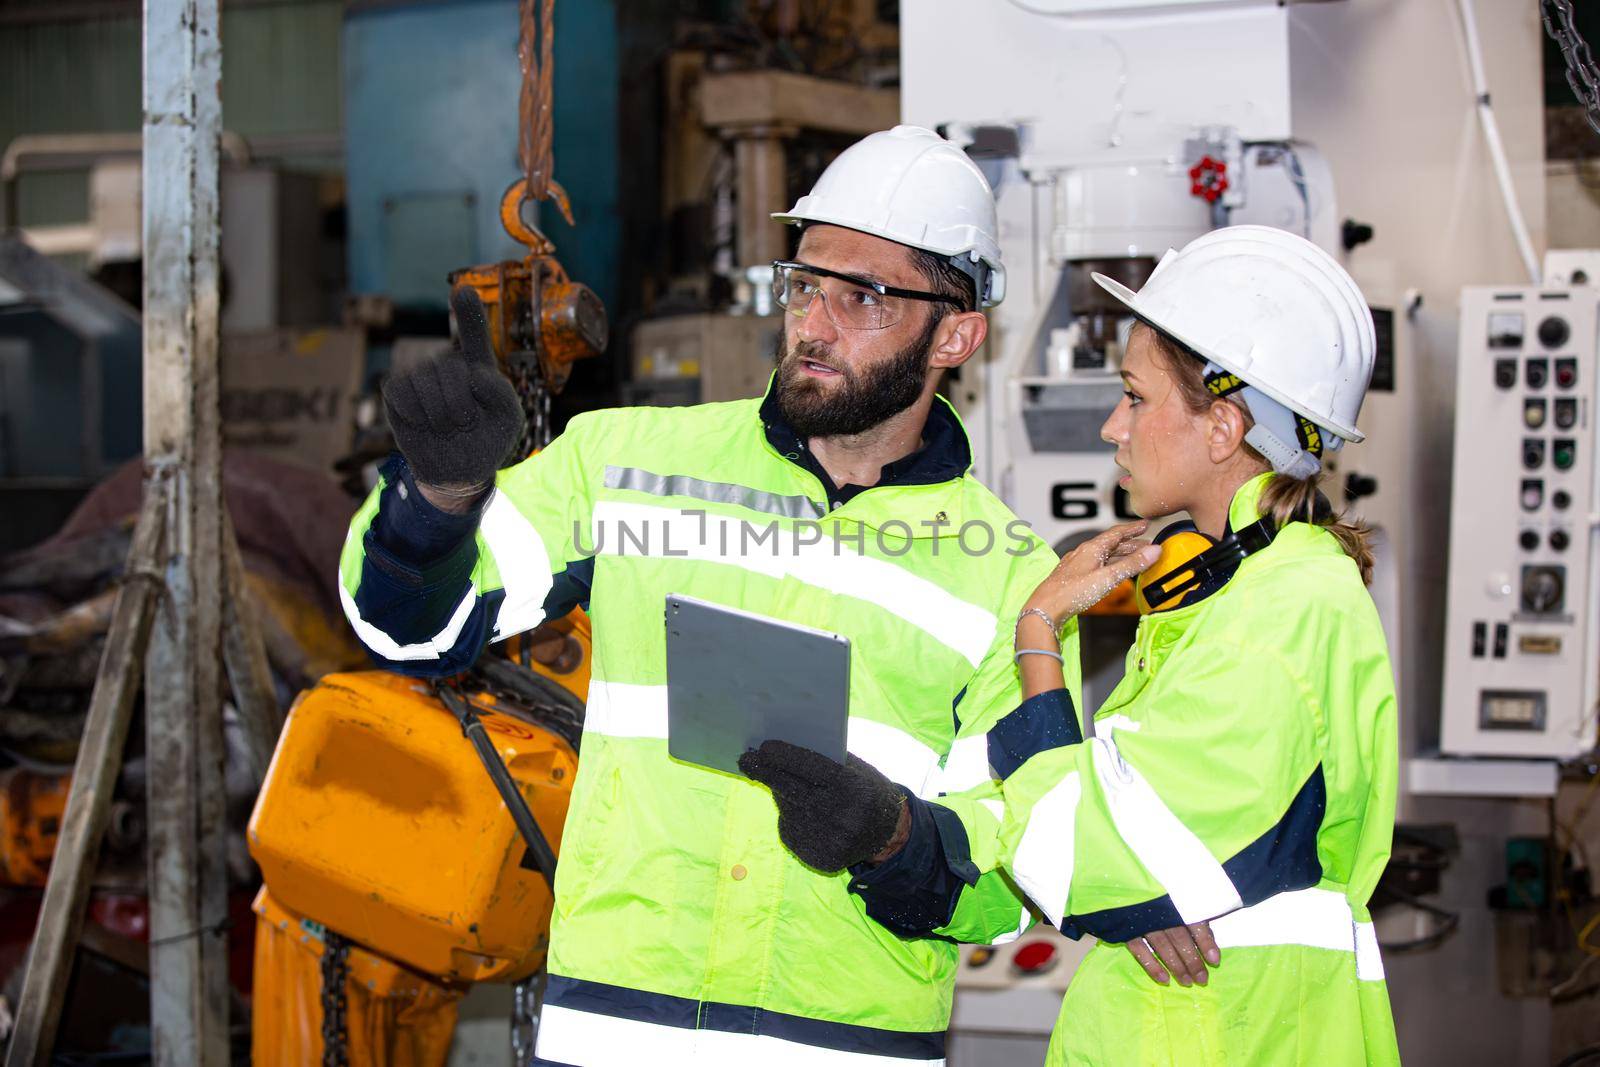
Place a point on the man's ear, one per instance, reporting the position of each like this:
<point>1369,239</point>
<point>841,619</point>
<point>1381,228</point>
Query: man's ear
<point>958,337</point>
<point>1225,430</point>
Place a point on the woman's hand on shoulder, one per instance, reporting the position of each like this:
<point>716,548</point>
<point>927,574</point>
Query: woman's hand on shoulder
<point>1090,571</point>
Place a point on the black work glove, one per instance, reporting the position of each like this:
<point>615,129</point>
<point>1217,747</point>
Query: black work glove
<point>455,417</point>
<point>829,815</point>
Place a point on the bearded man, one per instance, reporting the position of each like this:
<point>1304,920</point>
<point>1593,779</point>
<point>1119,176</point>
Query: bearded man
<point>684,931</point>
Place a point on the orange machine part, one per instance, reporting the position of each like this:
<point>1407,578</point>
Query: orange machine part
<point>394,1017</point>
<point>31,809</point>
<point>377,820</point>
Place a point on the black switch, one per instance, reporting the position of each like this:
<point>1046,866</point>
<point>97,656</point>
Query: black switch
<point>1554,331</point>
<point>1529,540</point>
<point>1537,373</point>
<point>1532,453</point>
<point>1559,540</point>
<point>1501,635</point>
<point>1566,412</point>
<point>1561,499</point>
<point>1480,639</point>
<point>1505,373</point>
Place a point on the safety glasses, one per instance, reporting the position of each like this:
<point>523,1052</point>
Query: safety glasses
<point>852,303</point>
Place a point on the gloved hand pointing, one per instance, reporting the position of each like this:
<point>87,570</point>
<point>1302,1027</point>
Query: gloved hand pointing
<point>830,815</point>
<point>455,417</point>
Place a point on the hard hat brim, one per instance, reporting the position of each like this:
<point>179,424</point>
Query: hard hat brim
<point>1130,300</point>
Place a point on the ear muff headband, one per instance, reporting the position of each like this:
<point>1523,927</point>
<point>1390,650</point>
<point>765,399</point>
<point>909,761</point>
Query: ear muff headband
<point>1158,594</point>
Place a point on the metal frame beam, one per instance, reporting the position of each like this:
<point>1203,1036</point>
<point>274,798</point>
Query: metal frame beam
<point>183,682</point>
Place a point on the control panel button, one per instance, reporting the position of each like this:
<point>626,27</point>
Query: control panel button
<point>1480,639</point>
<point>1532,494</point>
<point>1536,373</point>
<point>1559,540</point>
<point>1543,591</point>
<point>1566,412</point>
<point>1564,453</point>
<point>1533,410</point>
<point>1532,453</point>
<point>1505,373</point>
<point>1528,539</point>
<point>1554,332</point>
<point>1566,373</point>
<point>1561,500</point>
<point>1502,634</point>
<point>1035,957</point>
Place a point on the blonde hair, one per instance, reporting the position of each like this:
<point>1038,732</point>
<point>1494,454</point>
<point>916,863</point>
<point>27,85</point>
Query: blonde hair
<point>1285,499</point>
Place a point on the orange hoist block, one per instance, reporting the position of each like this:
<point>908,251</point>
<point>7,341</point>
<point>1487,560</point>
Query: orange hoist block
<point>394,1016</point>
<point>377,820</point>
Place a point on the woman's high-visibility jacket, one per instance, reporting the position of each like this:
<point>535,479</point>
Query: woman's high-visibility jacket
<point>684,932</point>
<point>1244,772</point>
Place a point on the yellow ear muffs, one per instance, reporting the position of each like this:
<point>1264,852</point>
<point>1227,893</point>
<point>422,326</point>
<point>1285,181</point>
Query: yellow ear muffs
<point>1177,549</point>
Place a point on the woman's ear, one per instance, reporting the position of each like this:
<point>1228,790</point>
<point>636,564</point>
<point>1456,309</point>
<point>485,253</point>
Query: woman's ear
<point>1225,430</point>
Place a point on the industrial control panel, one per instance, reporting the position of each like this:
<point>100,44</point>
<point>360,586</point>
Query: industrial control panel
<point>1520,659</point>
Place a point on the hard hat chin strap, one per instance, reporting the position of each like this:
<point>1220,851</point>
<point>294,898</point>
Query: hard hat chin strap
<point>1292,443</point>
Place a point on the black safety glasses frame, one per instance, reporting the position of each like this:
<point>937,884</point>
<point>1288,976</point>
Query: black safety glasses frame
<point>780,265</point>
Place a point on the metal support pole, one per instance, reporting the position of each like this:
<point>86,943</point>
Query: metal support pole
<point>183,683</point>
<point>94,777</point>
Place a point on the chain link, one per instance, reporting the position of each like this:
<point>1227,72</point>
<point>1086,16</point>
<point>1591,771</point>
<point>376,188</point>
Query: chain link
<point>530,386</point>
<point>335,972</point>
<point>523,1022</point>
<point>1560,23</point>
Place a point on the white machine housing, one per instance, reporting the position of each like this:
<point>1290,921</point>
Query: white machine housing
<point>1089,117</point>
<point>1522,663</point>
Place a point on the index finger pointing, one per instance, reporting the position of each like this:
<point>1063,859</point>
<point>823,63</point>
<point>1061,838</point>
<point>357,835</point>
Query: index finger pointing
<point>472,326</point>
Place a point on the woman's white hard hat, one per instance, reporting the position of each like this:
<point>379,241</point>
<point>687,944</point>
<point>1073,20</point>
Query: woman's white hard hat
<point>1272,308</point>
<point>913,187</point>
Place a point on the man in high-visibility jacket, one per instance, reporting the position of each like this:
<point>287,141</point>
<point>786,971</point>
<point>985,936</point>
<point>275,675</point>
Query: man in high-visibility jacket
<point>684,932</point>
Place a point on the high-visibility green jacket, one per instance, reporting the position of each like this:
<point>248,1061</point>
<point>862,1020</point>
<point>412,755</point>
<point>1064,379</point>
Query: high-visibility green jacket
<point>684,932</point>
<point>1243,772</point>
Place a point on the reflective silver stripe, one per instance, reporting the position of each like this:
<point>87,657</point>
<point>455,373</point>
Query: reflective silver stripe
<point>390,649</point>
<point>1316,918</point>
<point>621,709</point>
<point>567,1035</point>
<point>1047,852</point>
<point>643,481</point>
<point>1169,850</point>
<point>523,561</point>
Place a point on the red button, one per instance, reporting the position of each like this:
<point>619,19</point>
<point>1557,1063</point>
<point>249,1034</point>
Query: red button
<point>1035,957</point>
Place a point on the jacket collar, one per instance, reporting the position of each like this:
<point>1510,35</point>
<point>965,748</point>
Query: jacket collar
<point>1246,505</point>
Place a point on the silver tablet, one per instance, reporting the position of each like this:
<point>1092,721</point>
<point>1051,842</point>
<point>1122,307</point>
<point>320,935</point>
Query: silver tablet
<point>736,679</point>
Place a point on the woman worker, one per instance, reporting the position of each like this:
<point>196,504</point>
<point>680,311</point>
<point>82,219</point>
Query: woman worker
<point>1239,784</point>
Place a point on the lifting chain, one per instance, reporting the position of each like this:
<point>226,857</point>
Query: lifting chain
<point>530,386</point>
<point>335,972</point>
<point>1561,24</point>
<point>524,1022</point>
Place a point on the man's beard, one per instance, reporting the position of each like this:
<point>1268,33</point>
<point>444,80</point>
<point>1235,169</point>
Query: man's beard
<point>864,399</point>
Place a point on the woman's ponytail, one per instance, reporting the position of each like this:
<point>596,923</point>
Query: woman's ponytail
<point>1286,500</point>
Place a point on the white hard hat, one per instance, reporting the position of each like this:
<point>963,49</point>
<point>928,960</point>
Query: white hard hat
<point>1272,308</point>
<point>911,186</point>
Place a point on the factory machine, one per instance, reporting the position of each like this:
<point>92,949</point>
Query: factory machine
<point>1522,677</point>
